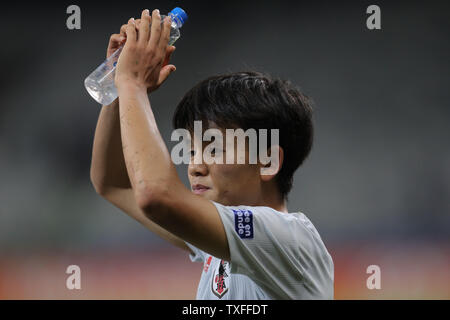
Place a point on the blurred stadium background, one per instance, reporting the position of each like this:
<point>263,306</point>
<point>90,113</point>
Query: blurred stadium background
<point>376,186</point>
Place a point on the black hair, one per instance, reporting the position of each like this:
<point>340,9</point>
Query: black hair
<point>254,100</point>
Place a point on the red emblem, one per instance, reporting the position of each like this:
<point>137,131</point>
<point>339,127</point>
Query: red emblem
<point>220,280</point>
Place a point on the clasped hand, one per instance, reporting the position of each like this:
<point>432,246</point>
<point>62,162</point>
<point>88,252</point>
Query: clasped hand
<point>143,61</point>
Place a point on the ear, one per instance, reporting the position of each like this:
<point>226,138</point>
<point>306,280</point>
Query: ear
<point>270,170</point>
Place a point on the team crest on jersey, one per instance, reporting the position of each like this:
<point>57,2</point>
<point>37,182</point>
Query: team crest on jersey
<point>221,279</point>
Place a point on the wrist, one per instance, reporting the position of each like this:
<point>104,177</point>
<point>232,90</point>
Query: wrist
<point>130,86</point>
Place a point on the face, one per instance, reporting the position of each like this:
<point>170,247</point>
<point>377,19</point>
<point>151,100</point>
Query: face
<point>228,184</point>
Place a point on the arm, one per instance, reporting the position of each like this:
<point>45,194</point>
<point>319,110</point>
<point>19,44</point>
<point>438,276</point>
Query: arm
<point>108,172</point>
<point>108,165</point>
<point>157,188</point>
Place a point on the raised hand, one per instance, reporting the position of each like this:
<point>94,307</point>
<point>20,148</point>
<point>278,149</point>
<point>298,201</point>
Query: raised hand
<point>143,62</point>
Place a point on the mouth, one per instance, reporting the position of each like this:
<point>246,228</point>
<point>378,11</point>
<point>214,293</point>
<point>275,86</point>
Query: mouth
<point>199,188</point>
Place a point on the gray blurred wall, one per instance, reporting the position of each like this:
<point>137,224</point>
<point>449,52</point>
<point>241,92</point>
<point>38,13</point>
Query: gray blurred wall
<point>379,169</point>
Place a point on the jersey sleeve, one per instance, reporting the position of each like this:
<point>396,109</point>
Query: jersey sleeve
<point>283,253</point>
<point>197,255</point>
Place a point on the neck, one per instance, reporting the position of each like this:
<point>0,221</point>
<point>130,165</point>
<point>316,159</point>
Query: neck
<point>272,198</point>
<point>281,206</point>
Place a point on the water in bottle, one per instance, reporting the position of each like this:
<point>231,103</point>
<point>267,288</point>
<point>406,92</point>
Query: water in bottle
<point>100,83</point>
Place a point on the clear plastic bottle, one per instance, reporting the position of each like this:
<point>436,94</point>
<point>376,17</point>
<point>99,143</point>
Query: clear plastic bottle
<point>100,83</point>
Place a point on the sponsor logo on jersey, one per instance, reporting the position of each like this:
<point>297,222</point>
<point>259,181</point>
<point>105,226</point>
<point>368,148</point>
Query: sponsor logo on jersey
<point>220,280</point>
<point>243,223</point>
<point>207,263</point>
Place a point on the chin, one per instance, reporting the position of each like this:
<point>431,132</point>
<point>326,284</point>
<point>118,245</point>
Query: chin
<point>209,197</point>
<point>203,195</point>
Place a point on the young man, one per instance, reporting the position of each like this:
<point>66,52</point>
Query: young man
<point>234,218</point>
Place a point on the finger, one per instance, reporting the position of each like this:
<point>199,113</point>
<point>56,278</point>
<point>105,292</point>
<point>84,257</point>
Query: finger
<point>165,35</point>
<point>115,40</point>
<point>114,43</point>
<point>165,72</point>
<point>137,22</point>
<point>122,29</point>
<point>144,28</point>
<point>131,32</point>
<point>169,51</point>
<point>156,29</point>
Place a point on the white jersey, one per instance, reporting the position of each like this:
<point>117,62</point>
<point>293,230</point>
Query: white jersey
<point>273,255</point>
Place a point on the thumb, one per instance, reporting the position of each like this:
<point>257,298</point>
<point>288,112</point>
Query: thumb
<point>165,72</point>
<point>169,51</point>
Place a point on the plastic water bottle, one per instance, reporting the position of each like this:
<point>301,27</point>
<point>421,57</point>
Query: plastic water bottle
<point>100,83</point>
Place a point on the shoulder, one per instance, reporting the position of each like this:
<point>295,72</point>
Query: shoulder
<point>294,230</point>
<point>266,219</point>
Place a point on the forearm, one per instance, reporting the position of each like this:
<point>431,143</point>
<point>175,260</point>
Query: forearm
<point>108,164</point>
<point>147,159</point>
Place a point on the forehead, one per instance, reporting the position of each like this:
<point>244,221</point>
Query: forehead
<point>198,137</point>
<point>206,125</point>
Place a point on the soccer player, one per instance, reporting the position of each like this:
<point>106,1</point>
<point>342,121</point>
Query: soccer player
<point>234,219</point>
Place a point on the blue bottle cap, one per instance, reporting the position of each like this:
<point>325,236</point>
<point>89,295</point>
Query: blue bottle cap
<point>179,15</point>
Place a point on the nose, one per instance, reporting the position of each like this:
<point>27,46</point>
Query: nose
<point>195,170</point>
<point>197,167</point>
